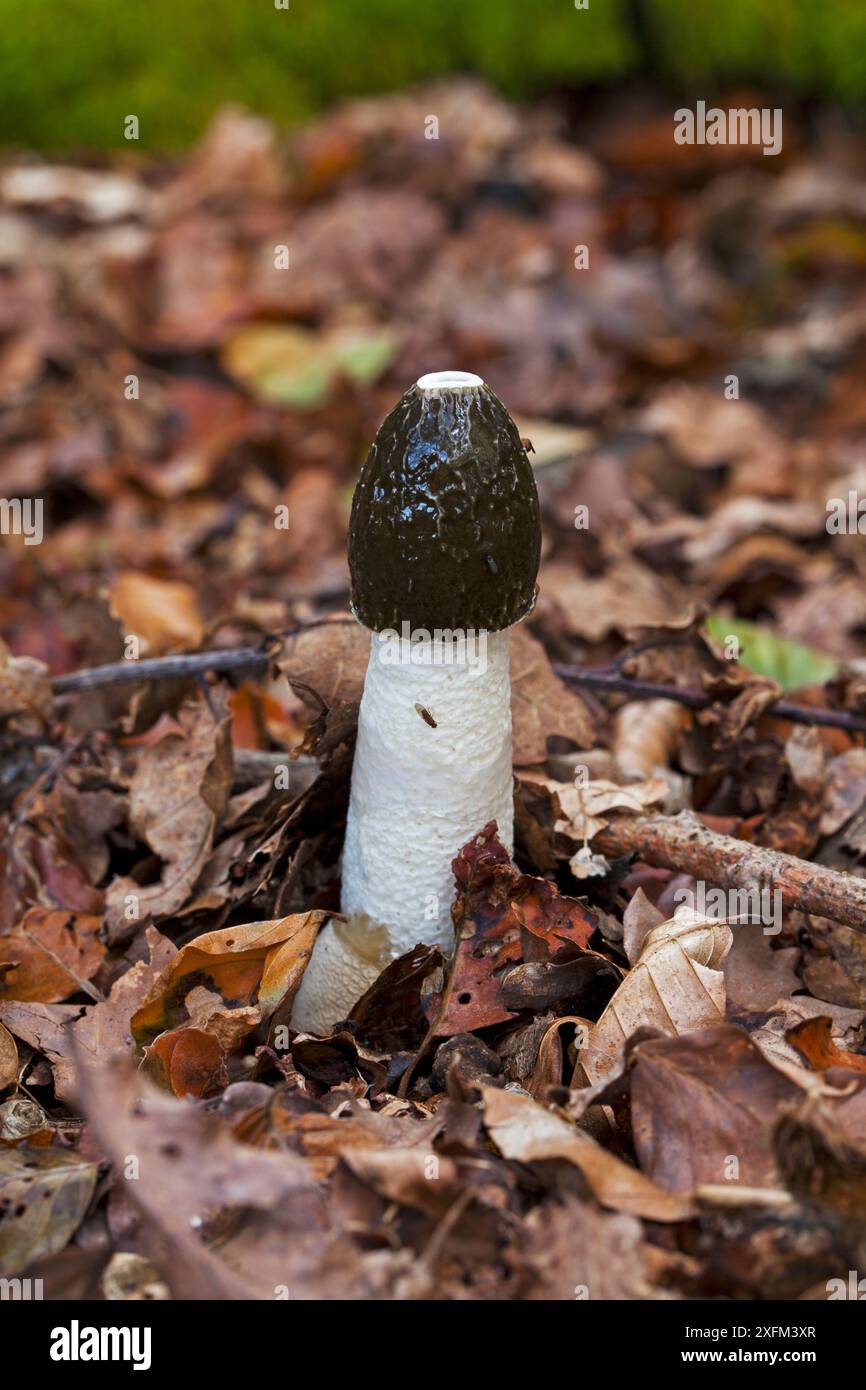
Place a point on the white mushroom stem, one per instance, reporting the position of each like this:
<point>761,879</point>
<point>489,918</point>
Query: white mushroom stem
<point>432,767</point>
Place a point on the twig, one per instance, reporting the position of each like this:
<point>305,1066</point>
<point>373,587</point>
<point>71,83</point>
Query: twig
<point>234,659</point>
<point>606,678</point>
<point>223,661</point>
<point>682,842</point>
<point>159,668</point>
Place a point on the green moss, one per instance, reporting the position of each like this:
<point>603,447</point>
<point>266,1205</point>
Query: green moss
<point>71,71</point>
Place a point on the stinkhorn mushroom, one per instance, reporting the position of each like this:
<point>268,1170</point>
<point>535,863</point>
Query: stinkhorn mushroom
<point>444,545</point>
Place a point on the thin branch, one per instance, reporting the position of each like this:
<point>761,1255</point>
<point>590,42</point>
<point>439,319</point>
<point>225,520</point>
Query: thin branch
<point>222,661</point>
<point>606,678</point>
<point>159,668</point>
<point>231,660</point>
<point>684,843</point>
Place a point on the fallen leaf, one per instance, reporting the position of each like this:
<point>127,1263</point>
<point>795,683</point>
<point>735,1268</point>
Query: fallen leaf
<point>44,1194</point>
<point>501,917</point>
<point>162,614</point>
<point>813,1040</point>
<point>25,686</point>
<point>45,1027</point>
<point>330,658</point>
<point>177,794</point>
<point>583,807</point>
<point>541,704</point>
<point>259,963</point>
<point>390,1015</point>
<point>646,734</point>
<point>51,955</point>
<point>756,976</point>
<point>104,1030</point>
<point>703,1107</point>
<point>22,1121</point>
<point>527,1132</point>
<point>640,918</point>
<point>823,1165</point>
<point>8,1058</point>
<point>844,790</point>
<point>629,596</point>
<point>193,1173</point>
<point>771,1036</point>
<point>298,368</point>
<point>789,664</point>
<point>187,1061</point>
<point>676,985</point>
<point>707,430</point>
<point>569,1250</point>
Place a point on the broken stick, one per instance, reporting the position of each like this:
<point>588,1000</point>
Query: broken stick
<point>682,842</point>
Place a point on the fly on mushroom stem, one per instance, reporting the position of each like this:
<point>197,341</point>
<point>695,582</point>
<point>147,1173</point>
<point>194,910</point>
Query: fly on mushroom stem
<point>444,546</point>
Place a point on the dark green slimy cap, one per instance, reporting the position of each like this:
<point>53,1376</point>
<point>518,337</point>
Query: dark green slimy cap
<point>445,529</point>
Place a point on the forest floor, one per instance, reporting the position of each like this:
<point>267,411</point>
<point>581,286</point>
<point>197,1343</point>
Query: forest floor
<point>634,1099</point>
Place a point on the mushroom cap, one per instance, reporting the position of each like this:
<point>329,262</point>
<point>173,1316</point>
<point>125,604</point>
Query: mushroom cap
<point>445,530</point>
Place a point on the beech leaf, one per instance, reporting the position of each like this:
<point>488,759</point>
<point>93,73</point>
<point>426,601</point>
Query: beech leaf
<point>676,985</point>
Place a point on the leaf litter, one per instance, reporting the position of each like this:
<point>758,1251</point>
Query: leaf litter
<point>598,1087</point>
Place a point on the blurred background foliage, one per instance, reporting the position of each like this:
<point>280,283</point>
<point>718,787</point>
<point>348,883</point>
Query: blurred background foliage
<point>71,72</point>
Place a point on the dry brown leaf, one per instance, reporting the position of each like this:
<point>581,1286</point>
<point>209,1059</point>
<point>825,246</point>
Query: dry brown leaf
<point>527,1132</point>
<point>700,1100</point>
<point>541,704</point>
<point>44,1194</point>
<point>845,789</point>
<point>259,963</point>
<point>788,1013</point>
<point>639,919</point>
<point>330,658</point>
<point>50,954</point>
<point>193,1172</point>
<point>813,1040</point>
<point>646,734</point>
<point>25,686</point>
<point>105,1029</point>
<point>756,976</point>
<point>45,1027</point>
<point>187,1062</point>
<point>707,430</point>
<point>163,614</point>
<point>628,596</point>
<point>569,1251</point>
<point>677,986</point>
<point>583,808</point>
<point>177,795</point>
<point>8,1058</point>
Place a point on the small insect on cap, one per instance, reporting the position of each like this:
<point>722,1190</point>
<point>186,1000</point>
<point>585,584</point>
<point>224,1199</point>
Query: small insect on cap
<point>445,529</point>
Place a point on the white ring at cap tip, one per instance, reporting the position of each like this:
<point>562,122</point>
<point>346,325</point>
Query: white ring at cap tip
<point>448,381</point>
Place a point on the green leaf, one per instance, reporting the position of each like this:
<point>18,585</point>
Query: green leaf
<point>790,663</point>
<point>294,367</point>
<point>364,356</point>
